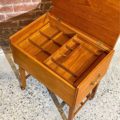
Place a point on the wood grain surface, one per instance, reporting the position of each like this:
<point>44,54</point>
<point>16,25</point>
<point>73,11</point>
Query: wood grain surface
<point>99,18</point>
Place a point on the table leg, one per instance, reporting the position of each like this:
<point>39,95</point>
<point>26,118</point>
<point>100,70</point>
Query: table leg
<point>22,78</point>
<point>71,113</point>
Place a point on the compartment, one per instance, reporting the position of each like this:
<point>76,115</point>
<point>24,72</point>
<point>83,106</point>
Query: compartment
<point>79,60</point>
<point>45,41</point>
<point>49,31</point>
<point>61,49</point>
<point>38,39</point>
<point>73,59</point>
<point>50,47</point>
<point>41,56</point>
<point>61,38</point>
<point>66,74</point>
<point>28,47</point>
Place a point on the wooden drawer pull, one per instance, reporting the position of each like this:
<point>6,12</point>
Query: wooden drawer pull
<point>96,80</point>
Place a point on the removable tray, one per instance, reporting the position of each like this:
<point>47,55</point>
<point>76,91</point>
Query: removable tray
<point>67,54</point>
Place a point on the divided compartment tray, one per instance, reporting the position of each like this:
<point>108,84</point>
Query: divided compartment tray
<point>72,59</point>
<point>44,42</point>
<point>67,55</point>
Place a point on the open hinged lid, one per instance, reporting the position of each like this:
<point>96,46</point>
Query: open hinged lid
<point>98,18</point>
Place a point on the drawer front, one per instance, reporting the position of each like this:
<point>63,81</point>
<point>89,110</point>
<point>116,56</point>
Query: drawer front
<point>90,82</point>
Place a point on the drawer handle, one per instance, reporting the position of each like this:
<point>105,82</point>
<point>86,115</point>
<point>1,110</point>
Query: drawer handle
<point>96,80</point>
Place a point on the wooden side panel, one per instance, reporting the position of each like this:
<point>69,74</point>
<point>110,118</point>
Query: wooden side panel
<point>98,18</point>
<point>93,78</point>
<point>51,80</point>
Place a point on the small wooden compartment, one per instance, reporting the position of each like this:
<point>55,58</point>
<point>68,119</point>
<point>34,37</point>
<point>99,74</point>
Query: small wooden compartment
<point>65,52</point>
<point>67,55</point>
<point>73,58</point>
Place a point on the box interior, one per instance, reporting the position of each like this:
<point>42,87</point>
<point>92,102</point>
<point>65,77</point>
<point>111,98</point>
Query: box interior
<point>62,50</point>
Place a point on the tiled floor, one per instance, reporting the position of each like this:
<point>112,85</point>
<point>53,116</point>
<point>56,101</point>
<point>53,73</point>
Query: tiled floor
<point>35,103</point>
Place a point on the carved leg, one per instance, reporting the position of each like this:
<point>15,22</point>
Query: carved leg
<point>94,92</point>
<point>71,113</point>
<point>22,78</point>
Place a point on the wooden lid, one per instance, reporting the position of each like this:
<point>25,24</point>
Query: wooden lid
<point>98,18</point>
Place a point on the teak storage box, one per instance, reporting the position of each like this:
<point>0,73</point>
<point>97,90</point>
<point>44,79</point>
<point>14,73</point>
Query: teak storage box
<point>69,49</point>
